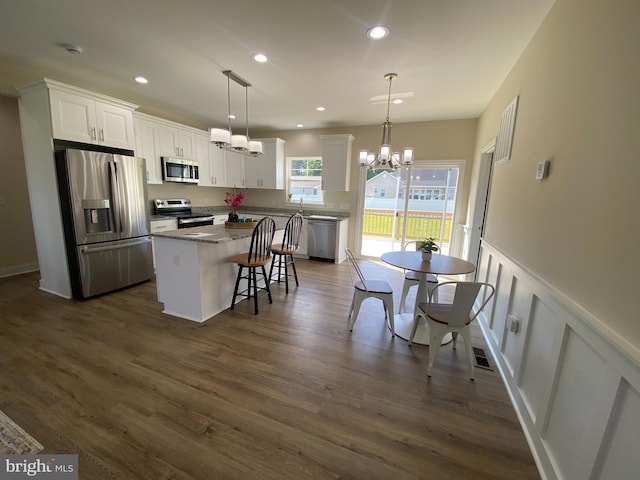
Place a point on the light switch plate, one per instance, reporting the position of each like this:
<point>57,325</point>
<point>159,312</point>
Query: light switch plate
<point>543,170</point>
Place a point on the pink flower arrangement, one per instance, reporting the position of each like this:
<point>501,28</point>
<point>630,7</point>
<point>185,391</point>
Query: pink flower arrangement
<point>234,199</point>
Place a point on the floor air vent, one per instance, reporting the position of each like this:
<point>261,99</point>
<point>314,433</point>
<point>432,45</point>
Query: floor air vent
<point>481,360</point>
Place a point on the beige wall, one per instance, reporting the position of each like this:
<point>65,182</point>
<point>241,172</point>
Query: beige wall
<point>579,107</point>
<point>17,242</point>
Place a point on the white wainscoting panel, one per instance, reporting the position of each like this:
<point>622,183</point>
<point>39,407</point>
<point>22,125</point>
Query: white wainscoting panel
<point>539,357</point>
<point>619,454</point>
<point>574,386</point>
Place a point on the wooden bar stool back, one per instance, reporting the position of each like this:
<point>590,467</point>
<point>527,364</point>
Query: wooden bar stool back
<point>258,256</point>
<point>283,253</point>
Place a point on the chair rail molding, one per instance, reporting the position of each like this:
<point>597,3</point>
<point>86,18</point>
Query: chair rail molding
<point>574,383</point>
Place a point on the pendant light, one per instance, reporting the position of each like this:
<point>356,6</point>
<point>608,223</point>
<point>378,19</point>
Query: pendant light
<point>225,139</point>
<point>386,157</point>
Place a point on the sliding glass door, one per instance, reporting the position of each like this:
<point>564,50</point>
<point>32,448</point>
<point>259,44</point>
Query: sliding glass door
<point>410,203</point>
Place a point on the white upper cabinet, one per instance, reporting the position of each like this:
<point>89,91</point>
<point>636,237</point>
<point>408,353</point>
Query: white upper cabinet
<point>218,166</point>
<point>266,170</point>
<point>211,161</point>
<point>235,169</point>
<point>202,156</point>
<point>173,141</point>
<point>82,116</point>
<point>336,162</point>
<point>146,148</point>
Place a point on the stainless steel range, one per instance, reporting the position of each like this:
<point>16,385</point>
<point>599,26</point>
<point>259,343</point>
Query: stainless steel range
<point>181,209</point>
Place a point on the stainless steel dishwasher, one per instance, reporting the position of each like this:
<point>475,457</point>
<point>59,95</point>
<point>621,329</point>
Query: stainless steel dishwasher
<point>322,238</point>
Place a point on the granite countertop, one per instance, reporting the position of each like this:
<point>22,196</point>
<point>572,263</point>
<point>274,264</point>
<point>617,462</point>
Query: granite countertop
<point>208,234</point>
<point>248,211</point>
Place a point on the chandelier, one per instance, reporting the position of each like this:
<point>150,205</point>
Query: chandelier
<point>386,157</point>
<point>225,139</point>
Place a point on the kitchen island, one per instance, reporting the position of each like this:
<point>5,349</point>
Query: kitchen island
<point>194,278</point>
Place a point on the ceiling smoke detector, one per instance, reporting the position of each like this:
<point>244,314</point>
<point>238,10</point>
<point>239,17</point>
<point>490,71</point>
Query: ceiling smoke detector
<point>72,49</point>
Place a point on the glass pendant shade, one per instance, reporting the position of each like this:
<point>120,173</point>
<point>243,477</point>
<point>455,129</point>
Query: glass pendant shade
<point>220,137</point>
<point>385,154</point>
<point>255,147</point>
<point>407,156</point>
<point>239,143</point>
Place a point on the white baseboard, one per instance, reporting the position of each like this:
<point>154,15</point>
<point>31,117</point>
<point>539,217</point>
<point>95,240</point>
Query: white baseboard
<point>18,269</point>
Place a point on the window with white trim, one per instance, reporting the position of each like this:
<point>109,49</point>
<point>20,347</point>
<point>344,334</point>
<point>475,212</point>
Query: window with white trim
<point>305,179</point>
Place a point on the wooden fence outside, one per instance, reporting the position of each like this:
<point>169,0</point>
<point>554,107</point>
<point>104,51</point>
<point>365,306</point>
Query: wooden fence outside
<point>420,224</point>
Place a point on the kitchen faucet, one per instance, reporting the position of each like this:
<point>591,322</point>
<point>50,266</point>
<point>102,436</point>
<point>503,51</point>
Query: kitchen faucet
<point>300,210</point>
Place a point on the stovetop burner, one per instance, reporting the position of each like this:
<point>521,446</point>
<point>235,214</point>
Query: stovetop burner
<point>181,208</point>
<point>172,206</point>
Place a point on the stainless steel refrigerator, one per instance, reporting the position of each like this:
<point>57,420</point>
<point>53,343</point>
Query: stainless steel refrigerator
<point>103,198</point>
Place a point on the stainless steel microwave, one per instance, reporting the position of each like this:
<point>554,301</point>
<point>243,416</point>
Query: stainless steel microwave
<point>180,170</point>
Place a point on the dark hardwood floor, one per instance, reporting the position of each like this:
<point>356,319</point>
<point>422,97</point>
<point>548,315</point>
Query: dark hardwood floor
<point>287,394</point>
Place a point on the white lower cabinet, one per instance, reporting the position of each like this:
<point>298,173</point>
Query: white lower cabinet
<point>303,250</point>
<point>162,226</point>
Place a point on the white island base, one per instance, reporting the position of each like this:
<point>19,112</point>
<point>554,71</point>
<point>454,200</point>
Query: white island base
<point>194,278</point>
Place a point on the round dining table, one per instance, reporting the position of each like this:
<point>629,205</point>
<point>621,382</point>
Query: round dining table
<point>438,265</point>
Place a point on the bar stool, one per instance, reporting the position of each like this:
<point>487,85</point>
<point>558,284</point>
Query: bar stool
<point>258,256</point>
<point>283,254</point>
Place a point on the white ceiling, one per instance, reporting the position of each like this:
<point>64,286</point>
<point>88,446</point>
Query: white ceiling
<point>450,55</point>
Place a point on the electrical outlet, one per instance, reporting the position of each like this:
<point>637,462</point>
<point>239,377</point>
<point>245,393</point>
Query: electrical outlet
<point>513,323</point>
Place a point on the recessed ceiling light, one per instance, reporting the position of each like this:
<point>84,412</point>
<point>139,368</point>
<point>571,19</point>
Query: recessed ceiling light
<point>299,125</point>
<point>320,109</point>
<point>140,79</point>
<point>397,101</point>
<point>377,32</point>
<point>260,57</point>
<point>231,116</point>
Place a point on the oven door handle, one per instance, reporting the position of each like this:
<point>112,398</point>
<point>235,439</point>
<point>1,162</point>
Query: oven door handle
<point>185,221</point>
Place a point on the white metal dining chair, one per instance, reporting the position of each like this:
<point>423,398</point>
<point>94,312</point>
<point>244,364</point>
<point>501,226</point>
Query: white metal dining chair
<point>412,278</point>
<point>368,288</point>
<point>452,317</point>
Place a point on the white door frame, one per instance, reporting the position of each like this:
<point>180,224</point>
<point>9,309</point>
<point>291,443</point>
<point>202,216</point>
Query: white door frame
<point>478,218</point>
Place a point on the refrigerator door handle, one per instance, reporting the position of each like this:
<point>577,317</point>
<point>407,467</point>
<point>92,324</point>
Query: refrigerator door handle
<point>115,199</point>
<point>114,247</point>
